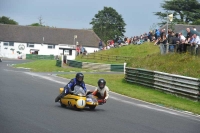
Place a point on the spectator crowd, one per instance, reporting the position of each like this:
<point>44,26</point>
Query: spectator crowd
<point>159,37</point>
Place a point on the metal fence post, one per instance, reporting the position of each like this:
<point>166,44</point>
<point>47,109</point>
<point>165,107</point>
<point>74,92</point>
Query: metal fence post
<point>167,48</point>
<point>62,60</point>
<point>162,48</point>
<point>124,67</point>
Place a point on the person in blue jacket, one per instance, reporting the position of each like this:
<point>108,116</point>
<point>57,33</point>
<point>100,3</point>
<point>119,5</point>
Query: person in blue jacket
<point>157,34</point>
<point>78,80</point>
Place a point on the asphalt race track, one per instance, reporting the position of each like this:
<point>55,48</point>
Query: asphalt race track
<point>27,106</point>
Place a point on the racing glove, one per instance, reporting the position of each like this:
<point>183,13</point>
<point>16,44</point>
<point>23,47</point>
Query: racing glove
<point>104,100</point>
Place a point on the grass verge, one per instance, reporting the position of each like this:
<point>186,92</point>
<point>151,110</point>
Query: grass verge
<point>47,66</point>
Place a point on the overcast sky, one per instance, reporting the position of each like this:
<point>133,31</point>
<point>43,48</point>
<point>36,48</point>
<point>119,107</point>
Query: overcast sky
<point>77,14</point>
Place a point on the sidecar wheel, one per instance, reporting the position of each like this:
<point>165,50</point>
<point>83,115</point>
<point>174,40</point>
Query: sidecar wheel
<point>62,105</point>
<point>92,107</point>
<point>77,109</point>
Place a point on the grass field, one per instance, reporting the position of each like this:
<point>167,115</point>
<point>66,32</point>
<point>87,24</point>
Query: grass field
<point>47,66</point>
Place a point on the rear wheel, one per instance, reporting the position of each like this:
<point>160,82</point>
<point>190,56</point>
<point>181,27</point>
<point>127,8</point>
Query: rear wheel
<point>92,107</point>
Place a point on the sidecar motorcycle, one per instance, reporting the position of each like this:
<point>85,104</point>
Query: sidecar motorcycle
<point>79,99</point>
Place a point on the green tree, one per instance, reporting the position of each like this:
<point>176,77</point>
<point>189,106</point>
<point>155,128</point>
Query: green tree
<point>35,24</point>
<point>197,22</point>
<point>184,11</point>
<point>7,20</point>
<point>108,24</point>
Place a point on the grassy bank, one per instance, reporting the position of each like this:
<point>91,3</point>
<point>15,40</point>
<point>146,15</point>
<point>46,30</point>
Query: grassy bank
<point>181,64</point>
<point>128,51</point>
<point>147,56</point>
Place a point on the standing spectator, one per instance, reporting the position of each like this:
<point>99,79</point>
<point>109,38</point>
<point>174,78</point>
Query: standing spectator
<point>163,32</point>
<point>181,36</point>
<point>163,42</point>
<point>188,39</point>
<point>157,34</point>
<point>78,50</point>
<point>189,35</point>
<point>163,39</point>
<point>175,40</point>
<point>150,36</point>
<point>170,36</point>
<point>170,39</point>
<point>83,50</point>
<point>195,42</point>
<point>100,45</point>
<point>180,47</point>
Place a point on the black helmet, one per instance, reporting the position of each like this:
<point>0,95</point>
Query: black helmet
<point>79,77</point>
<point>101,83</point>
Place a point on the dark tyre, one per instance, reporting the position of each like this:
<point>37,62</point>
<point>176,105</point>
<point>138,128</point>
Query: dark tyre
<point>92,107</point>
<point>62,105</point>
<point>77,109</point>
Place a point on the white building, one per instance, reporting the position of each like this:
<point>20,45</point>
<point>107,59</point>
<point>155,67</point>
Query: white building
<point>17,41</point>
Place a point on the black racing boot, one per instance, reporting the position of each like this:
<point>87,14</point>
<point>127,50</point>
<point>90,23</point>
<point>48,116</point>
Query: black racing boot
<point>61,95</point>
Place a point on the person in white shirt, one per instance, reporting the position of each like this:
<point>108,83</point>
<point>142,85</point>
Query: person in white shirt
<point>181,36</point>
<point>102,91</point>
<point>195,42</point>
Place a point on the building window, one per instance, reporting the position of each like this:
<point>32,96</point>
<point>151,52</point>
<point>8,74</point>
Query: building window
<point>8,43</point>
<point>30,45</point>
<point>11,43</point>
<point>68,52</point>
<point>51,46</point>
